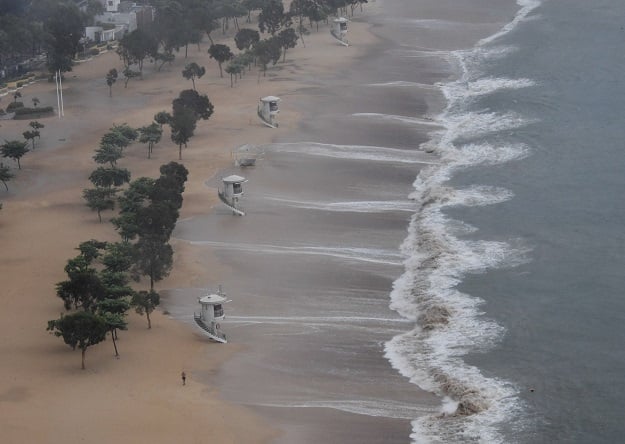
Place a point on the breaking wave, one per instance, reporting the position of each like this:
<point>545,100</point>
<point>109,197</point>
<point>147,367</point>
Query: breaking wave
<point>449,323</point>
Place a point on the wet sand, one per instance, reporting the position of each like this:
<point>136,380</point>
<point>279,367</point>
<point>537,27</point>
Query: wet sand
<point>44,396</point>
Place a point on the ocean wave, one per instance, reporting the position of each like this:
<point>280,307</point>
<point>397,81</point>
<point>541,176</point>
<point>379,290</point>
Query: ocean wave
<point>357,254</point>
<point>449,323</point>
<point>369,206</point>
<point>369,407</point>
<point>402,119</point>
<point>354,152</point>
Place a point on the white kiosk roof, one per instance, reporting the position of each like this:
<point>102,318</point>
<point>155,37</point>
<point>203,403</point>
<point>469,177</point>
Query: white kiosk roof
<point>234,179</point>
<point>271,99</point>
<point>212,299</point>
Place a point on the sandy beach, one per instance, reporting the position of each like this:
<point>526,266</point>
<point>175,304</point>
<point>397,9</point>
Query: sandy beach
<point>44,395</point>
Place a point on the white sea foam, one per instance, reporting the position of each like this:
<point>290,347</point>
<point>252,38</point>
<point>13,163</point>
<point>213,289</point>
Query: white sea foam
<point>449,323</point>
<point>372,255</point>
<point>402,119</point>
<point>369,407</point>
<point>464,90</point>
<point>402,84</point>
<point>369,206</point>
<point>527,6</point>
<point>355,152</point>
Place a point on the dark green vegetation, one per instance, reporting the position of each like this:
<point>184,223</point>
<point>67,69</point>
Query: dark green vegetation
<point>97,291</point>
<point>54,28</point>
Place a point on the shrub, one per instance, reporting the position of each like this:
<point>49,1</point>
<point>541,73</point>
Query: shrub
<point>14,105</point>
<point>20,84</point>
<point>29,112</point>
<point>94,51</point>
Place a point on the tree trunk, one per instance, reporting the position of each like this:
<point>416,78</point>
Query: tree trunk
<point>114,343</point>
<point>221,74</point>
<point>179,158</point>
<point>147,314</point>
<point>83,350</point>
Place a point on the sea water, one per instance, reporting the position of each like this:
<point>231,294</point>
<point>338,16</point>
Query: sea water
<point>453,224</point>
<point>517,250</point>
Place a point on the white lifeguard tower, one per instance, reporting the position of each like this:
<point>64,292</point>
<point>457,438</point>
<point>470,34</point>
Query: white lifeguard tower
<point>231,192</point>
<point>211,312</point>
<point>268,110</point>
<point>339,30</point>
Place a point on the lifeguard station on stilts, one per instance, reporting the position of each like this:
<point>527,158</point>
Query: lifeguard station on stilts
<point>231,192</point>
<point>339,30</point>
<point>211,312</point>
<point>268,111</point>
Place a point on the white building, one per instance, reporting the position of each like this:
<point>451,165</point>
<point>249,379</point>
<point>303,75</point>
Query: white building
<point>112,5</point>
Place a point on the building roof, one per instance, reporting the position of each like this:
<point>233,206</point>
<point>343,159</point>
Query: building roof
<point>234,179</point>
<point>271,99</point>
<point>212,299</point>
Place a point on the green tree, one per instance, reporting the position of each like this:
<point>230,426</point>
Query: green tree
<point>199,104</point>
<point>31,135</point>
<point>221,53</point>
<point>246,38</point>
<point>272,17</point>
<point>113,312</point>
<point>129,74</point>
<point>288,39</point>
<point>135,47</point>
<point>14,149</point>
<point>36,125</point>
<point>193,71</point>
<point>108,153</point>
<point>153,259</point>
<point>182,127</point>
<point>162,118</point>
<point>109,177</point>
<point>150,134</point>
<point>83,288</point>
<point>252,5</point>
<point>100,199</point>
<point>146,302</point>
<point>234,69</point>
<point>5,175</point>
<point>79,330</point>
<point>135,197</point>
<point>94,7</point>
<point>120,136</point>
<point>268,51</point>
<point>64,27</point>
<point>111,78</point>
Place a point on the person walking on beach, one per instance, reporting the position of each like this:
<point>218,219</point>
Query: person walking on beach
<point>184,378</point>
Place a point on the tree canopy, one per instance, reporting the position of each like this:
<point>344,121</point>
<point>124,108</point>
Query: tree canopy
<point>14,149</point>
<point>80,330</point>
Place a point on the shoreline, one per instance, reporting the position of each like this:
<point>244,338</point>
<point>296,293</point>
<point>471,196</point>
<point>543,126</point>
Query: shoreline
<point>137,398</point>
